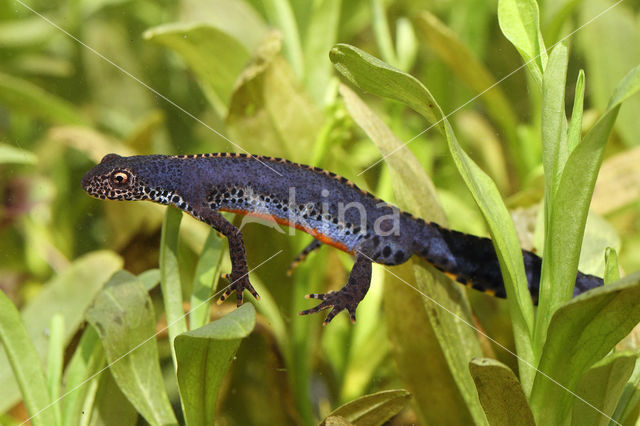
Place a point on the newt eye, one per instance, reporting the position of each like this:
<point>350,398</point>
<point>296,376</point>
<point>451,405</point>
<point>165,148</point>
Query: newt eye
<point>120,178</point>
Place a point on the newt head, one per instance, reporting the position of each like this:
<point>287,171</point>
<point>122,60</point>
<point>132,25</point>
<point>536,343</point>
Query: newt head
<point>115,178</point>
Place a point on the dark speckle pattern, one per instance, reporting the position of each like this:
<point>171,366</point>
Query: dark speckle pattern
<point>329,207</point>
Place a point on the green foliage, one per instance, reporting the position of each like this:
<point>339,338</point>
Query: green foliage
<point>97,341</point>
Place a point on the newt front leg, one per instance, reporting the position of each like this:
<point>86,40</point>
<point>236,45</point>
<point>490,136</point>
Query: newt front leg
<point>239,276</point>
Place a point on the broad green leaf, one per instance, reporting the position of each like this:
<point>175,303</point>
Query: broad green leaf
<point>583,330</point>
<point>268,100</point>
<point>69,293</point>
<point>124,318</point>
<point>110,406</point>
<point>500,393</point>
<point>611,271</point>
<point>374,409</point>
<point>204,356</point>
<point>474,74</point>
<point>21,95</point>
<point>372,75</point>
<point>601,388</point>
<point>205,279</point>
<point>25,32</point>
<point>573,194</point>
<point>23,359</point>
<point>281,16</point>
<point>416,193</point>
<point>216,57</point>
<point>13,155</point>
<point>87,360</point>
<point>606,65</point>
<point>520,25</point>
<point>170,277</point>
<point>55,361</point>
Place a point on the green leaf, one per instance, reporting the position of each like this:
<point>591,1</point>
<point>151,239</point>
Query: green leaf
<point>110,406</point>
<point>69,293</point>
<point>382,33</point>
<point>374,409</point>
<point>87,360</point>
<point>321,34</point>
<point>21,95</point>
<point>575,126</point>
<point>281,16</point>
<point>123,316</point>
<point>12,155</point>
<point>601,387</point>
<point>25,363</point>
<point>170,277</point>
<point>150,278</point>
<point>204,356</point>
<point>519,23</point>
<point>611,271</point>
<point>372,75</point>
<point>457,341</point>
<point>55,361</point>
<point>270,101</point>
<point>474,74</point>
<point>583,330</point>
<point>204,280</point>
<point>216,57</point>
<point>565,231</point>
<point>554,121</point>
<point>500,393</point>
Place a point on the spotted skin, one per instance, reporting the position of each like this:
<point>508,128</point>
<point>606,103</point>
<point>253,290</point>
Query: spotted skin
<point>329,207</point>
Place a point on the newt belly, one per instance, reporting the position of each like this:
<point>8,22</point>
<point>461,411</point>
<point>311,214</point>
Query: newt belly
<point>328,207</point>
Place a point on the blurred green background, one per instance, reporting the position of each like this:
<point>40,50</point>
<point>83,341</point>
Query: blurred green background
<point>171,77</point>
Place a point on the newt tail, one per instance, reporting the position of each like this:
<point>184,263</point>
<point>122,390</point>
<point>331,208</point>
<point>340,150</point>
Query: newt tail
<point>329,207</point>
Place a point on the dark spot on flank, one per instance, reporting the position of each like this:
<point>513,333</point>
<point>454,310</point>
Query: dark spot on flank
<point>386,251</point>
<point>398,256</point>
<point>175,199</point>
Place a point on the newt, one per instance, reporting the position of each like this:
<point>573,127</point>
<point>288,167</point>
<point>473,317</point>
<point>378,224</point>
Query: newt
<point>329,207</point>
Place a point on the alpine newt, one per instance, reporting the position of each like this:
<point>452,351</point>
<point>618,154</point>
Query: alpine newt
<point>329,207</point>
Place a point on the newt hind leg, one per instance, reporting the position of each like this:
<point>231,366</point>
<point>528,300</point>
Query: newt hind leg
<point>314,245</point>
<point>348,296</point>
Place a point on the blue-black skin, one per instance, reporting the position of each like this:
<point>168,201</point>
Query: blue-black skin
<point>314,200</point>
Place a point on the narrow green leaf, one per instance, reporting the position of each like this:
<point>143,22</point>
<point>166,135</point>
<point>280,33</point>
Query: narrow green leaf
<point>320,35</point>
<point>216,57</point>
<point>205,279</point>
<point>416,193</point>
<point>554,121</point>
<point>87,360</point>
<point>575,126</point>
<point>25,363</point>
<point>382,33</point>
<point>281,16</point>
<point>601,387</point>
<point>373,409</point>
<point>611,271</point>
<point>519,23</point>
<point>170,277</point>
<point>69,293</point>
<point>565,231</point>
<point>583,330</point>
<point>150,278</point>
<point>474,74</point>
<point>123,316</point>
<point>500,393</point>
<point>21,95</point>
<point>374,76</point>
<point>204,356</point>
<point>12,155</point>
<point>406,44</point>
<point>55,361</point>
